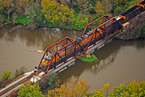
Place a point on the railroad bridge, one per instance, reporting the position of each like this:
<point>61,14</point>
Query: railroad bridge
<point>96,34</point>
<point>62,54</point>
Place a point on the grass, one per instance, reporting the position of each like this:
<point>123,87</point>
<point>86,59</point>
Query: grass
<point>85,59</point>
<point>17,20</point>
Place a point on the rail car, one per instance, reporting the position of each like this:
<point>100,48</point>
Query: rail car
<point>99,34</point>
<point>130,13</point>
<point>125,16</point>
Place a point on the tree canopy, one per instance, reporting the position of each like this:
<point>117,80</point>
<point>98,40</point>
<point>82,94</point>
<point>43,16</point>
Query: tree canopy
<point>101,92</point>
<point>133,89</point>
<point>73,88</point>
<point>72,14</point>
<point>30,91</point>
<point>56,13</point>
<point>6,75</point>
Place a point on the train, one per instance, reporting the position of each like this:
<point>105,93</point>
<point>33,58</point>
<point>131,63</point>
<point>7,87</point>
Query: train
<point>99,34</point>
<point>82,41</point>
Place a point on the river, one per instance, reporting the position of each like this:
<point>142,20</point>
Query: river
<point>119,61</point>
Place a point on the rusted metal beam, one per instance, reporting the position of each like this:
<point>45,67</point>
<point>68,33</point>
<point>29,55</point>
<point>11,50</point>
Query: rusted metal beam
<point>92,23</point>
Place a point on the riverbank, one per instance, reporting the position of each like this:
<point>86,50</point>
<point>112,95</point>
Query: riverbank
<point>78,22</point>
<point>131,31</point>
<point>63,14</point>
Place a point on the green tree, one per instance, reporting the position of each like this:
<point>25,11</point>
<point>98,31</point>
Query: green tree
<point>30,91</point>
<point>133,89</point>
<point>7,8</point>
<point>1,4</point>
<point>119,2</point>
<point>6,75</point>
<point>49,82</point>
<point>107,6</point>
<point>55,13</point>
<point>99,8</point>
<point>117,10</point>
<point>35,15</point>
<point>81,21</point>
<point>141,30</point>
<point>102,92</point>
<point>103,7</point>
<point>12,10</point>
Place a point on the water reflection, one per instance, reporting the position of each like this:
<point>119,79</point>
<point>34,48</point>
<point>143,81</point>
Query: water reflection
<point>40,37</point>
<point>107,55</point>
<point>15,46</point>
<point>14,54</point>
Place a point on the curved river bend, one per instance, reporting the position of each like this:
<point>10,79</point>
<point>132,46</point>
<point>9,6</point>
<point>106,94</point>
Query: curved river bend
<point>119,61</point>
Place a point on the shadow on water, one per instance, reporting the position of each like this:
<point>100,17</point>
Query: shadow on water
<point>17,42</point>
<point>17,47</point>
<point>106,56</point>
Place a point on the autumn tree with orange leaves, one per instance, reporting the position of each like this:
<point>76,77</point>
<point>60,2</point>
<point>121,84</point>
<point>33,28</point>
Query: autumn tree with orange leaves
<point>73,88</point>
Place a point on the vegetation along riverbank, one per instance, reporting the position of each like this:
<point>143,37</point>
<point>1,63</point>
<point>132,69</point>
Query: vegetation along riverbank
<point>50,86</point>
<point>69,14</point>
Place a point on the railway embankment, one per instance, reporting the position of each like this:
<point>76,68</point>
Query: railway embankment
<point>134,28</point>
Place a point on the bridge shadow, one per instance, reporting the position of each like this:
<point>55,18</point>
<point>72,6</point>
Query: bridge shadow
<point>106,56</point>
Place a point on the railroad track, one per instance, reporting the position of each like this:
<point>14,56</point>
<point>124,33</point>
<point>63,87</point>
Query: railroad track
<point>25,80</point>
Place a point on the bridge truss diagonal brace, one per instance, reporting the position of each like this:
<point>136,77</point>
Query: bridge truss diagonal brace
<point>102,19</point>
<point>56,53</point>
<point>66,40</point>
<point>104,24</point>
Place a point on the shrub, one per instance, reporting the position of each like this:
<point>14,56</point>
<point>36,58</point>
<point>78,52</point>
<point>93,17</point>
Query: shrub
<point>2,83</point>
<point>102,92</point>
<point>133,89</point>
<point>48,82</point>
<point>20,71</point>
<point>117,10</point>
<point>81,21</point>
<point>22,20</point>
<point>30,91</point>
<point>141,30</point>
<point>6,75</point>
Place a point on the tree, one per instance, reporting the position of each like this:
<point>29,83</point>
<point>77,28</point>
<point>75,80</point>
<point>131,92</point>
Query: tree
<point>20,6</point>
<point>6,75</point>
<point>99,8</point>
<point>133,89</point>
<point>8,7</point>
<point>107,6</point>
<point>103,7</point>
<point>141,31</point>
<point>48,82</point>
<point>30,91</point>
<point>102,92</point>
<point>73,88</point>
<point>119,2</point>
<point>55,13</point>
<point>1,4</point>
<point>83,6</point>
<point>81,21</point>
